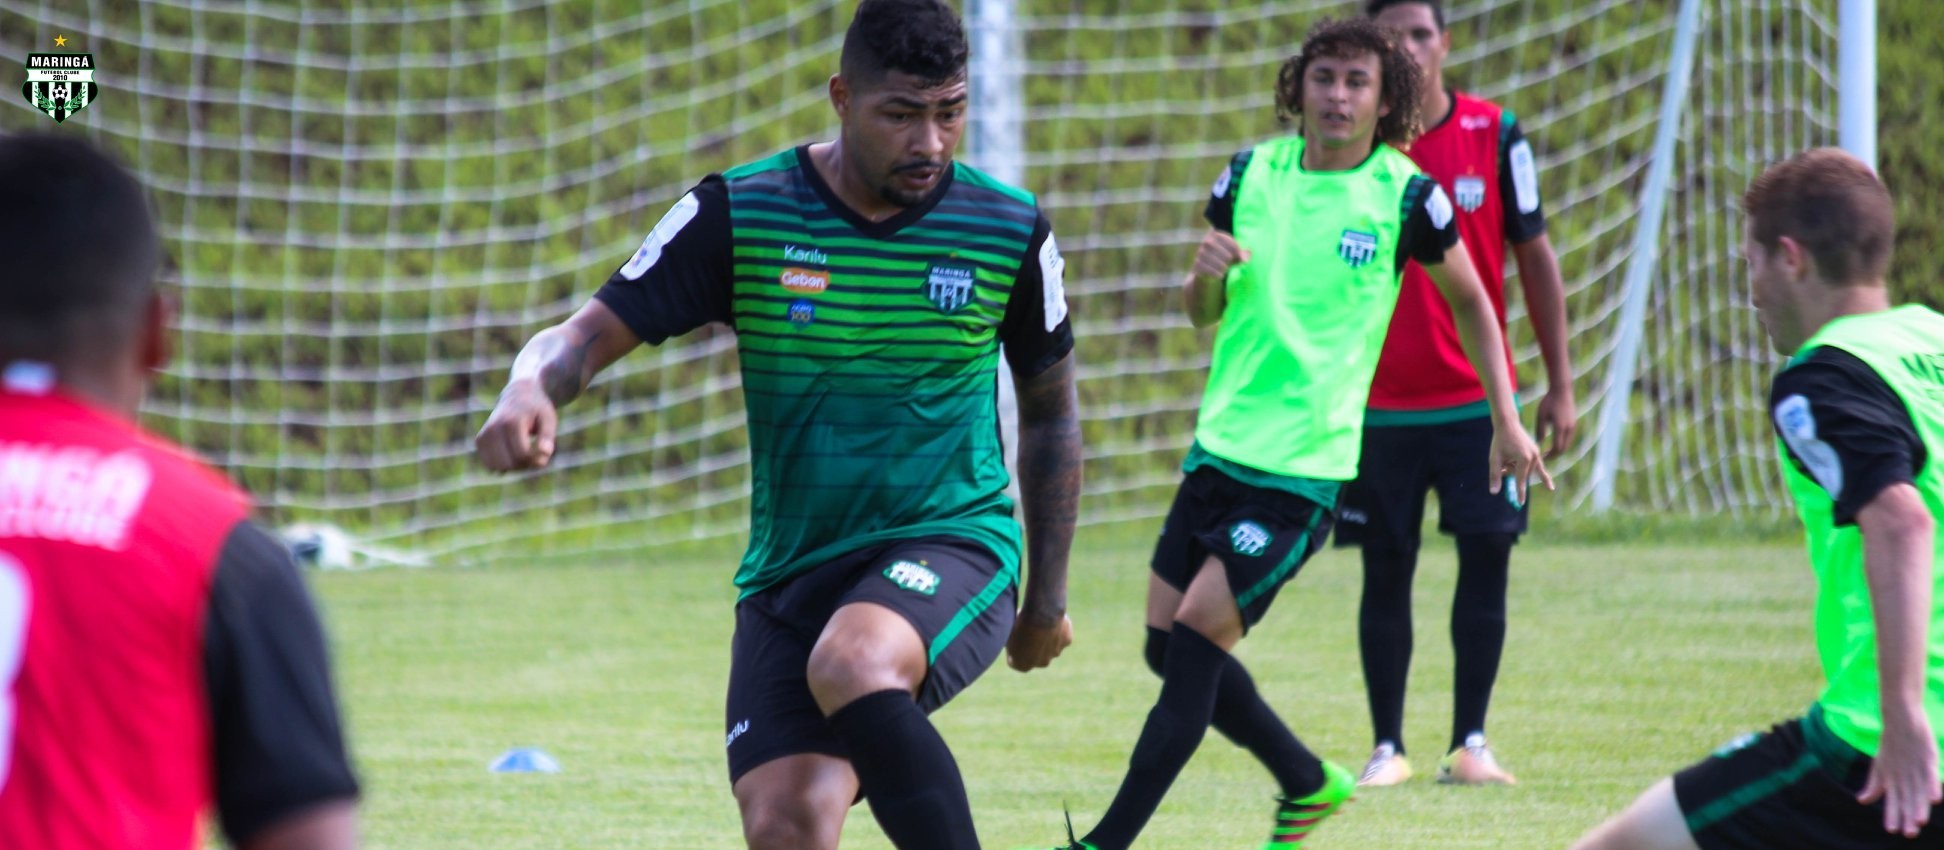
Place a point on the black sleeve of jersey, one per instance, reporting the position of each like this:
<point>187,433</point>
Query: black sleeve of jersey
<point>279,742</point>
<point>1845,429</point>
<point>1521,224</point>
<point>1220,211</point>
<point>1031,347</point>
<point>686,283</point>
<point>1430,228</point>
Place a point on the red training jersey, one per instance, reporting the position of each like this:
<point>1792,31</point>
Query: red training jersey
<point>121,678</point>
<point>1480,157</point>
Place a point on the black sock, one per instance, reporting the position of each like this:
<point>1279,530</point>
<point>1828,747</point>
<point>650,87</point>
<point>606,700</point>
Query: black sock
<point>1174,728</point>
<point>906,772</point>
<point>1245,719</point>
<point>1477,629</point>
<point>1384,636</point>
<point>1242,716</point>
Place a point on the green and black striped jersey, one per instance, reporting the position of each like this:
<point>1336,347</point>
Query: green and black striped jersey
<point>869,350</point>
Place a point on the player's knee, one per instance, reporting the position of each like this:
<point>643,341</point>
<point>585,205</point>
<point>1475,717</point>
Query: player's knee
<point>1157,649</point>
<point>1390,565</point>
<point>1489,543</point>
<point>840,672</point>
<point>788,823</point>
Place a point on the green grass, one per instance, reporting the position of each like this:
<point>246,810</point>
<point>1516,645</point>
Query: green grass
<point>1624,663</point>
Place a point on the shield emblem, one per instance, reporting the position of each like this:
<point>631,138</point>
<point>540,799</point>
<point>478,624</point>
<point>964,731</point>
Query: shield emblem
<point>60,84</point>
<point>1357,248</point>
<point>1470,192</point>
<point>948,287</point>
<point>1249,538</point>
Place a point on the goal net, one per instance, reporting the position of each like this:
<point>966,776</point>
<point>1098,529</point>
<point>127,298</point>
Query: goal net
<point>370,207</point>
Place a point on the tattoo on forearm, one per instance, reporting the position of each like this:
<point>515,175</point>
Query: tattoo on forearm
<point>1050,463</point>
<point>558,361</point>
<point>561,375</point>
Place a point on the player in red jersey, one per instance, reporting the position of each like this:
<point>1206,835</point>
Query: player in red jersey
<point>1426,426</point>
<point>158,651</point>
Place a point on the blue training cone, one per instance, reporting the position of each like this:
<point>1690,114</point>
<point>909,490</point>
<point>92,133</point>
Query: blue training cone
<point>525,760</point>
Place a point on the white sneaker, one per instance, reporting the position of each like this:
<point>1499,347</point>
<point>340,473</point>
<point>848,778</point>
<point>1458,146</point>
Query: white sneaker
<point>1387,766</point>
<point>1473,764</point>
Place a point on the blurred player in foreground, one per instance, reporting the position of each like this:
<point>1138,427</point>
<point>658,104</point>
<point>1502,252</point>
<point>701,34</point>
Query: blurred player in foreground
<point>158,650</point>
<point>870,281</point>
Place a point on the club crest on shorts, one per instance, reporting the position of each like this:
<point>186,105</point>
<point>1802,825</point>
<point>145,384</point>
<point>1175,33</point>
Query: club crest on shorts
<point>913,577</point>
<point>1470,192</point>
<point>1357,248</point>
<point>948,286</point>
<point>60,84</point>
<point>1248,538</point>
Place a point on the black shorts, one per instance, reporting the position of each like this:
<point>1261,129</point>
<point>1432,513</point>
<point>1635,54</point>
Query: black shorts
<point>1401,462</point>
<point>1262,537</point>
<point>956,593</point>
<point>1792,786</point>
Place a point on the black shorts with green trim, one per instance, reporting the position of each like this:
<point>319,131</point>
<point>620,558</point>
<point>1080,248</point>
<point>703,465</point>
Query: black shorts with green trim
<point>956,593</point>
<point>1262,536</point>
<point>1793,786</point>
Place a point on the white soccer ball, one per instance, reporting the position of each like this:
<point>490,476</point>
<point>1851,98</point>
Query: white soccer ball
<point>324,547</point>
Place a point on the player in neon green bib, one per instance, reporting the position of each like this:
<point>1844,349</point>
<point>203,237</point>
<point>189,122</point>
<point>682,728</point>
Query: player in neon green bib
<point>1859,413</point>
<point>1301,271</point>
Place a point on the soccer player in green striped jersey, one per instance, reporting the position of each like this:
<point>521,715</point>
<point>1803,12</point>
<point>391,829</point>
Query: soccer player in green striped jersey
<point>870,281</point>
<point>1300,270</point>
<point>1859,419</point>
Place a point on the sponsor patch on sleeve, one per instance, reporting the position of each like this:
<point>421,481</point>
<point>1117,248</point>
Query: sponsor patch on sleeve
<point>671,223</point>
<point>1525,177</point>
<point>1797,425</point>
<point>1438,204</point>
<point>1053,283</point>
<point>1221,186</point>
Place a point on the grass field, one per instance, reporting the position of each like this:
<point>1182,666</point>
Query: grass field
<point>1624,662</point>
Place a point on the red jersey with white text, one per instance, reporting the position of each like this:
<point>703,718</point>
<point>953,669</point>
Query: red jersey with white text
<point>1480,157</point>
<point>143,620</point>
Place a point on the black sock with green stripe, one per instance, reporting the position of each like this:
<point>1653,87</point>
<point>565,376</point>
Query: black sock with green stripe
<point>906,771</point>
<point>1245,719</point>
<point>1175,727</point>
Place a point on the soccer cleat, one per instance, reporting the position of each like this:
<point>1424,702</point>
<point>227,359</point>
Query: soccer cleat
<point>1296,819</point>
<point>1071,842</point>
<point>1473,764</point>
<point>1387,766</point>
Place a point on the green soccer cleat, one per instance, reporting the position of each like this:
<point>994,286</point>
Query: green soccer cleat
<point>1296,819</point>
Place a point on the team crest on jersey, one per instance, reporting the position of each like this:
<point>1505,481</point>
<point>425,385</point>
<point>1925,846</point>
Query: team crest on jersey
<point>60,84</point>
<point>913,577</point>
<point>1249,538</point>
<point>1470,192</point>
<point>1357,248</point>
<point>948,286</point>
